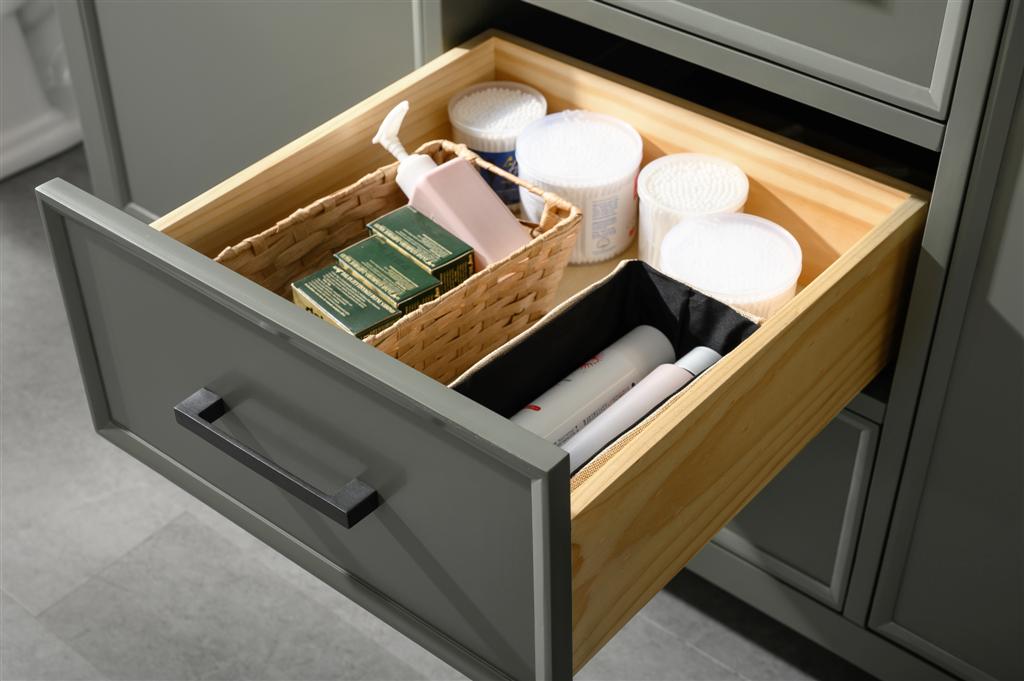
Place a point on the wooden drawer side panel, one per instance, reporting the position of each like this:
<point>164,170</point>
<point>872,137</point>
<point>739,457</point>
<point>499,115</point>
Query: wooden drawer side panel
<point>671,487</point>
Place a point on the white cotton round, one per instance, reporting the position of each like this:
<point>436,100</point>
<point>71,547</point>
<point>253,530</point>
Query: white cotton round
<point>743,260</point>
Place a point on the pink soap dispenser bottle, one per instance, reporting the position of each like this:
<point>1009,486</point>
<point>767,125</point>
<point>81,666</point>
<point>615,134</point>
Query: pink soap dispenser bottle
<point>454,196</point>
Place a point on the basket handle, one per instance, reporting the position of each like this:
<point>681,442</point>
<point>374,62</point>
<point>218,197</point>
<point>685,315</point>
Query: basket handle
<point>199,411</point>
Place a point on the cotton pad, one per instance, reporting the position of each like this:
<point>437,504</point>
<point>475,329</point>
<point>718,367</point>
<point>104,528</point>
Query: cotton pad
<point>743,260</point>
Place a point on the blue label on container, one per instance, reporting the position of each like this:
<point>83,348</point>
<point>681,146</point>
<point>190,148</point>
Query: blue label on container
<point>506,160</point>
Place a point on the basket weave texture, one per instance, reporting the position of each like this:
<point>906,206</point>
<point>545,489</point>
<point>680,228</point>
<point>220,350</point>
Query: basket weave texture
<point>444,337</point>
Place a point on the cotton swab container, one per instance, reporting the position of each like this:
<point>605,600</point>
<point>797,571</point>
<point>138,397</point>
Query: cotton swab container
<point>488,118</point>
<point>743,260</point>
<point>590,160</point>
<point>678,186</point>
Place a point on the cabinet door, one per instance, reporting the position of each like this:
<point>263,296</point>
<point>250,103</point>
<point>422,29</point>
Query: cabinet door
<point>951,586</point>
<point>200,90</point>
<point>801,527</point>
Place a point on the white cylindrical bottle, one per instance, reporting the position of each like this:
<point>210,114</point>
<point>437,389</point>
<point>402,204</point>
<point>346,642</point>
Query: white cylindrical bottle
<point>665,381</point>
<point>453,195</point>
<point>579,397</point>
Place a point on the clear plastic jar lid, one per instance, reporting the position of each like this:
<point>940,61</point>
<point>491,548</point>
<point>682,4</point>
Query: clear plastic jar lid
<point>693,184</point>
<point>496,110</point>
<point>736,257</point>
<point>579,148</point>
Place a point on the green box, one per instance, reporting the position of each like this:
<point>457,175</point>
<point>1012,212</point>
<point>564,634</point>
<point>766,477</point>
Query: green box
<point>331,294</point>
<point>398,280</point>
<point>428,244</point>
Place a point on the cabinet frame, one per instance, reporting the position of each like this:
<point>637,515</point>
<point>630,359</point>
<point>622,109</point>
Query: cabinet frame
<point>1008,78</point>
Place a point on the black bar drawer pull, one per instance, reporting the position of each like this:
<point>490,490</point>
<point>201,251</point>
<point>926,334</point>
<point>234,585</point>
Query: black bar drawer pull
<point>348,506</point>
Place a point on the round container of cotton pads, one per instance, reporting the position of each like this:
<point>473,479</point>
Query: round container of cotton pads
<point>743,260</point>
<point>677,186</point>
<point>590,160</point>
<point>488,117</point>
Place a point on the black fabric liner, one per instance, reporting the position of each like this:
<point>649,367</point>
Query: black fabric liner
<point>636,294</point>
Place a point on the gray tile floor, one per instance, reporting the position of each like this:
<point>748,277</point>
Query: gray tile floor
<point>110,572</point>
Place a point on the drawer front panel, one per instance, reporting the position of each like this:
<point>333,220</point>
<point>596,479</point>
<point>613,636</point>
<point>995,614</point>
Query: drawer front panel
<point>453,539</point>
<point>909,59</point>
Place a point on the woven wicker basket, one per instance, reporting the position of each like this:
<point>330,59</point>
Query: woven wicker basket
<point>445,337</point>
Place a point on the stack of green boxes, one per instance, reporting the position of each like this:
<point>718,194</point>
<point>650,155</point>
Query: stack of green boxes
<point>407,260</point>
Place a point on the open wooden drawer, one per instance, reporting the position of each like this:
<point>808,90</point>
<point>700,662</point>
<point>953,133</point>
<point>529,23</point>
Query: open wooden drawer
<point>477,549</point>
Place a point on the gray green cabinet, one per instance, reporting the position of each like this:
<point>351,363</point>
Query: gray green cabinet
<point>951,587</point>
<point>902,52</point>
<point>886,64</point>
<point>178,96</point>
<point>894,539</point>
<point>802,527</point>
<point>934,588</point>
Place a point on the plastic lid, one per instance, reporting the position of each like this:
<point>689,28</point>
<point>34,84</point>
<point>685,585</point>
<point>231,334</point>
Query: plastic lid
<point>496,110</point>
<point>698,360</point>
<point>387,133</point>
<point>576,147</point>
<point>738,258</point>
<point>693,184</point>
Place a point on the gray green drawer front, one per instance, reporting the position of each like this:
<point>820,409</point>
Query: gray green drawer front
<point>802,527</point>
<point>902,52</point>
<point>469,543</point>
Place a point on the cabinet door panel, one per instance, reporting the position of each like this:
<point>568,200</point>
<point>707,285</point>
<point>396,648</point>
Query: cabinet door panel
<point>801,527</point>
<point>952,580</point>
<point>203,89</point>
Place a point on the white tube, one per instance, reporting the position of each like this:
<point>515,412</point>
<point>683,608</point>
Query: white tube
<point>575,400</point>
<point>665,381</point>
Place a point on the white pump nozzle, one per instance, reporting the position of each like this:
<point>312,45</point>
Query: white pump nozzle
<point>387,134</point>
<point>411,167</point>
